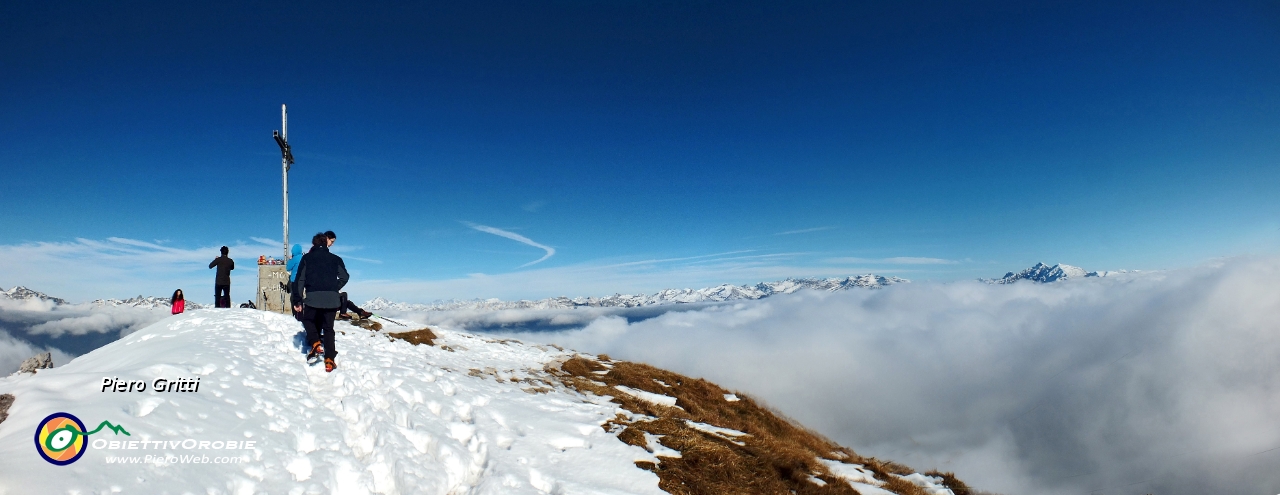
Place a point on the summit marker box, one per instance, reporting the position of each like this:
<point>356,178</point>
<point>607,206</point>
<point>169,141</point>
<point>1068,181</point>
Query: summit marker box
<point>271,294</point>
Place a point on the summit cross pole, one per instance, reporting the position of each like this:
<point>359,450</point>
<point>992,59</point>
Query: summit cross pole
<point>284,174</point>
<point>286,162</point>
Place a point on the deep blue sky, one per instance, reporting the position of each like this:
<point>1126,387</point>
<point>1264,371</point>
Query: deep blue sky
<point>991,135</point>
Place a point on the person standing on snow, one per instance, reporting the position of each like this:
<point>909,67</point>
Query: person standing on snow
<point>178,302</point>
<point>295,257</point>
<point>222,282</point>
<point>321,276</point>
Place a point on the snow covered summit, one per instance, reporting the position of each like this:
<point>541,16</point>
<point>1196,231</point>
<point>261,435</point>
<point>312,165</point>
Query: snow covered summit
<point>394,417</point>
<point>222,401</point>
<point>1043,273</point>
<point>20,293</point>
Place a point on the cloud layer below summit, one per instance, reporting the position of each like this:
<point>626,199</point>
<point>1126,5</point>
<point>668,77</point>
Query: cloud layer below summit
<point>1148,383</point>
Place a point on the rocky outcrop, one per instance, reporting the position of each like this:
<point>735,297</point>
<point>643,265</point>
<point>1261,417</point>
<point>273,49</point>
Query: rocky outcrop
<point>36,362</point>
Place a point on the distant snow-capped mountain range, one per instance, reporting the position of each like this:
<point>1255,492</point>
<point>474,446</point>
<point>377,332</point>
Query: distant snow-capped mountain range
<point>20,293</point>
<point>1040,273</point>
<point>143,302</point>
<point>720,293</point>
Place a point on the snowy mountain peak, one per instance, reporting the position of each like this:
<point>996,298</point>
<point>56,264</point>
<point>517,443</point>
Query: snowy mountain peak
<point>719,293</point>
<point>1043,273</point>
<point>20,293</point>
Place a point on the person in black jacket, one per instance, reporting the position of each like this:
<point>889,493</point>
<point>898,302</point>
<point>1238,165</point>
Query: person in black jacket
<point>321,276</point>
<point>222,281</point>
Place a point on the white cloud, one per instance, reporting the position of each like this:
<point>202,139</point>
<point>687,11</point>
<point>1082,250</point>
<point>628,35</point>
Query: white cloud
<point>86,269</point>
<point>518,238</point>
<point>13,352</point>
<point>897,260</point>
<point>275,243</point>
<point>27,328</point>
<point>1158,383</point>
<point>123,320</point>
<point>683,258</point>
<point>804,231</point>
<point>32,305</point>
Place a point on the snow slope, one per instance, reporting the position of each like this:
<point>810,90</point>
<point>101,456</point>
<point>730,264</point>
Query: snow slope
<point>393,418</point>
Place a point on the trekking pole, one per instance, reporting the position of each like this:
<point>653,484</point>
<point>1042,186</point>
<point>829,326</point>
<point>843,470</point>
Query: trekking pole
<point>391,320</point>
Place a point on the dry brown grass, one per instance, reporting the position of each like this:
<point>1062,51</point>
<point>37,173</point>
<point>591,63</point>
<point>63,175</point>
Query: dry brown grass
<point>416,337</point>
<point>949,479</point>
<point>778,455</point>
<point>6,400</point>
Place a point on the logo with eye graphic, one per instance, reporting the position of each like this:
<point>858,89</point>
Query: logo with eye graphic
<point>61,437</point>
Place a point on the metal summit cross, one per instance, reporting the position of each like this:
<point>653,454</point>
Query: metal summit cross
<point>286,162</point>
<point>272,279</point>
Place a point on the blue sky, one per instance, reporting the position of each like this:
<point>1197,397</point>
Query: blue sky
<point>649,144</point>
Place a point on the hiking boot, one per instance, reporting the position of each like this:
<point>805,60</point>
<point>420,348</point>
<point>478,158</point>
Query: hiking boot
<point>314,354</point>
<point>329,365</point>
<point>344,316</point>
<point>366,315</point>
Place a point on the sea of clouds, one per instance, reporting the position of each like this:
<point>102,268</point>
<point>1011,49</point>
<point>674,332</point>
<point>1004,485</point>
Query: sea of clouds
<point>1162,382</point>
<point>30,327</point>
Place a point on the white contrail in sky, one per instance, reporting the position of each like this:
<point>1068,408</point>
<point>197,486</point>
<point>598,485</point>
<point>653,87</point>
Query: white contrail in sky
<point>804,231</point>
<point>897,260</point>
<point>518,238</point>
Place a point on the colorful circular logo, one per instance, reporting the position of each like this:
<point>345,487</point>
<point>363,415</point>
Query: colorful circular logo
<point>60,438</point>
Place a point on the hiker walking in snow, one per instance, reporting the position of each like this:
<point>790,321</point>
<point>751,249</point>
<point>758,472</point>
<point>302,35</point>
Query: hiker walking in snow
<point>222,282</point>
<point>178,302</point>
<point>321,275</point>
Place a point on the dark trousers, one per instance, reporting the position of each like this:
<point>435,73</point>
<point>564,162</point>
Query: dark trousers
<point>293,289</point>
<point>347,304</point>
<point>221,296</point>
<point>319,325</point>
